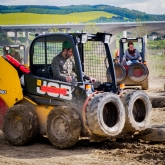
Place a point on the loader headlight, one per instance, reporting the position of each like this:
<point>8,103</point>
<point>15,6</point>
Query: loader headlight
<point>21,47</point>
<point>84,38</point>
<point>124,40</point>
<point>7,47</point>
<point>107,38</point>
<point>139,40</point>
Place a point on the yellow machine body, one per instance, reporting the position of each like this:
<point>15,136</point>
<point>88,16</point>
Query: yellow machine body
<point>41,111</point>
<point>10,85</point>
<point>11,93</point>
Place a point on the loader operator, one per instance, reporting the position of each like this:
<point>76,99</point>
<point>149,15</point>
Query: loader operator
<point>131,55</point>
<point>63,66</point>
<point>15,55</point>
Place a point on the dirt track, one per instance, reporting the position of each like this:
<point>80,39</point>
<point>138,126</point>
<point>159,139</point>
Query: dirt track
<point>127,151</point>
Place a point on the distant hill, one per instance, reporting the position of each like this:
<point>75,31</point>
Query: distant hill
<point>120,13</point>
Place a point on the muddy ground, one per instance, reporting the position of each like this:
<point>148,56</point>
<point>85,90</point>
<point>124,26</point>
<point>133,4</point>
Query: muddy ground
<point>127,151</point>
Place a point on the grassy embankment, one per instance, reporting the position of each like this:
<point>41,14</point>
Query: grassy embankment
<point>156,57</point>
<point>156,64</point>
<point>29,18</point>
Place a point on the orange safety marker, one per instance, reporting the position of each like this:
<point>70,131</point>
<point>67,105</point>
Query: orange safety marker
<point>122,86</point>
<point>87,86</point>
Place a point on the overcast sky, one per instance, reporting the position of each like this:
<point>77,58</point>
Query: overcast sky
<point>148,6</point>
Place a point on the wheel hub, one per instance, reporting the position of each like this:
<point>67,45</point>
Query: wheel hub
<point>17,126</point>
<point>60,128</point>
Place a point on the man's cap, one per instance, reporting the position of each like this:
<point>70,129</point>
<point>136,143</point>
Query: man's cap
<point>11,50</point>
<point>66,45</point>
<point>130,43</point>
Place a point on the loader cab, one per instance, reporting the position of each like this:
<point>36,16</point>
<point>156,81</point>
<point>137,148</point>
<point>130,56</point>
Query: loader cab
<point>91,54</point>
<point>139,44</point>
<point>132,73</point>
<point>44,48</point>
<point>21,49</point>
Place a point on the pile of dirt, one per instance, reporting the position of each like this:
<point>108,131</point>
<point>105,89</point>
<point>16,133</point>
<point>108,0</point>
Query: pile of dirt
<point>156,84</point>
<point>123,151</point>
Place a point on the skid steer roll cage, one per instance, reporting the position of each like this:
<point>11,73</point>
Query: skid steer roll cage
<point>126,40</point>
<point>16,47</point>
<point>76,40</point>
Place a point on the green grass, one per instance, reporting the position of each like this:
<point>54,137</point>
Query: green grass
<point>29,18</point>
<point>156,64</point>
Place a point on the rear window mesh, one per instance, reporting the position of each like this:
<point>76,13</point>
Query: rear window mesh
<point>94,60</point>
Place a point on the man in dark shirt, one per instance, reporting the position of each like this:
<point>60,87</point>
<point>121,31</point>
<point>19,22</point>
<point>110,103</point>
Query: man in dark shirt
<point>15,55</point>
<point>63,66</point>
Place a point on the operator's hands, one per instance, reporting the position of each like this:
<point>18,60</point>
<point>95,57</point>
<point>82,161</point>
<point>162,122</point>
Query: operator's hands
<point>68,78</point>
<point>123,61</point>
<point>92,80</point>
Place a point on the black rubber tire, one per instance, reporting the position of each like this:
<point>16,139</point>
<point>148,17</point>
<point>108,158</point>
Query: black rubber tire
<point>138,66</point>
<point>145,84</point>
<point>122,69</point>
<point>138,110</point>
<point>63,127</point>
<point>3,110</point>
<point>20,125</point>
<point>154,133</point>
<point>105,115</point>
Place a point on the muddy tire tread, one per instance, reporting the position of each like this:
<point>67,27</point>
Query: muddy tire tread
<point>92,120</point>
<point>74,127</point>
<point>30,122</point>
<point>130,126</point>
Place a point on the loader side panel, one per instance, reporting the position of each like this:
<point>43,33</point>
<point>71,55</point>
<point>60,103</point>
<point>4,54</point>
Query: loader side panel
<point>10,85</point>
